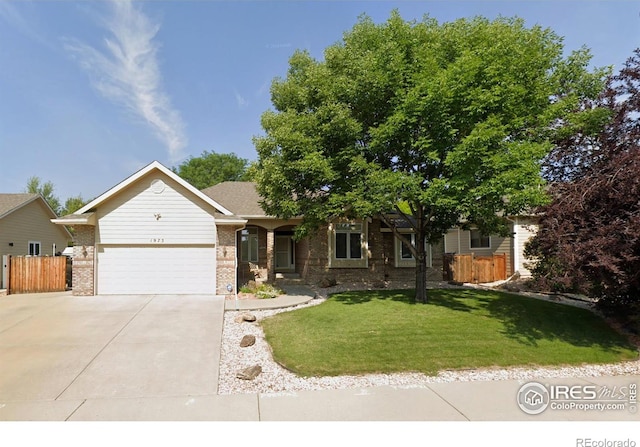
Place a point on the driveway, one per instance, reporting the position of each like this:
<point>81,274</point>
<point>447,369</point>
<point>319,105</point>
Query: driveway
<point>157,358</point>
<point>58,352</point>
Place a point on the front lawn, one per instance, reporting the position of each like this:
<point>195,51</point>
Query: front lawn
<point>386,331</point>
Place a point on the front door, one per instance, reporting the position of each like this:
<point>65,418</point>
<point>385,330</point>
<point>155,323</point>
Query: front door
<point>285,253</point>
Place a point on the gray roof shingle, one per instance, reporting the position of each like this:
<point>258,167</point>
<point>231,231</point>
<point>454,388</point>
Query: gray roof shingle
<point>10,202</point>
<point>241,198</point>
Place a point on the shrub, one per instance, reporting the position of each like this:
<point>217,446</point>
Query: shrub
<point>262,291</point>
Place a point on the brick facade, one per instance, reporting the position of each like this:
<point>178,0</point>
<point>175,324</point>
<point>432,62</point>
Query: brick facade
<point>312,260</point>
<point>226,259</point>
<point>83,260</point>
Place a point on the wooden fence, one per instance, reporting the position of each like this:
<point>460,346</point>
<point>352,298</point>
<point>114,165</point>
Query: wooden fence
<point>475,269</point>
<point>33,274</point>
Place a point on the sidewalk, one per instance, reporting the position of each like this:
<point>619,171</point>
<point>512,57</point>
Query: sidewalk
<point>295,295</point>
<point>460,401</point>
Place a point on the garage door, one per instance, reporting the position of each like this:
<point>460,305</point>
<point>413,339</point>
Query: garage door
<point>158,270</point>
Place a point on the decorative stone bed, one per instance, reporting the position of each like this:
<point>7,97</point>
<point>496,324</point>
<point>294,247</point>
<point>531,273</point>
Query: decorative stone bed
<point>273,378</point>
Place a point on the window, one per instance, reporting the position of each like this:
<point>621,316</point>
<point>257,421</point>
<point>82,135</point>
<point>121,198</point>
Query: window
<point>348,245</point>
<point>34,248</point>
<point>478,240</point>
<point>249,245</point>
<point>405,253</point>
<point>348,241</point>
<point>403,256</point>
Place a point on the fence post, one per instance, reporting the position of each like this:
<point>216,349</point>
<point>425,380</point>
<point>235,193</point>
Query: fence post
<point>8,278</point>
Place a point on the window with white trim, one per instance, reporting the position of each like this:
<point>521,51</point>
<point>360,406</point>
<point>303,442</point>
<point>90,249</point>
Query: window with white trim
<point>405,252</point>
<point>348,241</point>
<point>403,255</point>
<point>478,240</point>
<point>348,245</point>
<point>34,248</point>
<point>249,244</point>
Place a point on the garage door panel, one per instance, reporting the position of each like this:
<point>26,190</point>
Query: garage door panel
<point>156,270</point>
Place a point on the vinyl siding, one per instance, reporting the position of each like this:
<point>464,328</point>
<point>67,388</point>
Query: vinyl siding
<point>131,217</point>
<point>30,223</point>
<point>525,228</point>
<point>459,241</point>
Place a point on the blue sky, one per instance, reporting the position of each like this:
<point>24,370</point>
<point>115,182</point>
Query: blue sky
<point>92,91</point>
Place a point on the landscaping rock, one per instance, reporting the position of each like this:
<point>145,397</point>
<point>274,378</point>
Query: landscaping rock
<point>327,282</point>
<point>511,287</point>
<point>245,317</point>
<point>249,373</point>
<point>247,340</point>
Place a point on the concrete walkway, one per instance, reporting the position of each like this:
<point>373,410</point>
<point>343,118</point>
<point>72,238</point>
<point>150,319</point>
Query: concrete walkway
<point>156,358</point>
<point>295,295</point>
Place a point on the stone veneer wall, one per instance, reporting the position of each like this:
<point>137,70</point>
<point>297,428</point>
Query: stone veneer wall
<point>226,259</point>
<point>83,260</point>
<point>313,265</point>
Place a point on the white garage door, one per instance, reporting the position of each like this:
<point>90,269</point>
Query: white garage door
<point>157,270</point>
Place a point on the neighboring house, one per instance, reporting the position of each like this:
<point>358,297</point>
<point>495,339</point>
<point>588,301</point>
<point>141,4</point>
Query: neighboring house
<point>154,233</point>
<point>26,229</point>
<point>461,241</point>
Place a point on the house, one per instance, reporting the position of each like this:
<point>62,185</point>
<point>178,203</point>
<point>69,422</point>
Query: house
<point>154,233</point>
<point>26,229</point>
<point>356,251</point>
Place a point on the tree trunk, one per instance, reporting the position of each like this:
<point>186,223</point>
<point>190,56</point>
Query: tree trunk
<point>421,277</point>
<point>421,264</point>
<point>421,258</point>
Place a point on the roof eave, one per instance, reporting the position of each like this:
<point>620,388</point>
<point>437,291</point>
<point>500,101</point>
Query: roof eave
<point>230,221</point>
<point>141,173</point>
<point>76,219</point>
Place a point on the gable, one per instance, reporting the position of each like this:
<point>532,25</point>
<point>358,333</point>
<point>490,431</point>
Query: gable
<point>12,202</point>
<point>31,222</point>
<point>155,209</point>
<point>152,167</point>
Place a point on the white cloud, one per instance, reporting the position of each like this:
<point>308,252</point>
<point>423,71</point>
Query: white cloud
<point>126,72</point>
<point>12,16</point>
<point>242,103</point>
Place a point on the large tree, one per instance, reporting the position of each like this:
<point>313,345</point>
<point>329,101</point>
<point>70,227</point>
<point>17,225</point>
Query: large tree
<point>438,123</point>
<point>211,168</point>
<point>73,204</point>
<point>35,186</point>
<point>589,238</point>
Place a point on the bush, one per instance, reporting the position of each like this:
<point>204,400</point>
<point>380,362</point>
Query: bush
<point>262,291</point>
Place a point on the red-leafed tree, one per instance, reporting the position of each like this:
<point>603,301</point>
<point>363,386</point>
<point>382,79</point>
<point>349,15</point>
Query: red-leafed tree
<point>589,239</point>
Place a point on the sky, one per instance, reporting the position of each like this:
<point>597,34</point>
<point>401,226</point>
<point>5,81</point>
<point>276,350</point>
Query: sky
<point>92,91</point>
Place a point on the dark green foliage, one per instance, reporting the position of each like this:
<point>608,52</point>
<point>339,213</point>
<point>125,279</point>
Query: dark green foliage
<point>439,123</point>
<point>212,168</point>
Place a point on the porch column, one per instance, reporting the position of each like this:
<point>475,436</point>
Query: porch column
<point>271,264</point>
<point>83,260</point>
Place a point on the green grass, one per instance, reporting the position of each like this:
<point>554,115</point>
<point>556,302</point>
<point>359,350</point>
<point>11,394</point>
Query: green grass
<point>386,331</point>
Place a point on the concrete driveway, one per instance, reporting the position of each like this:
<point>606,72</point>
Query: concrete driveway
<point>156,358</point>
<point>61,356</point>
